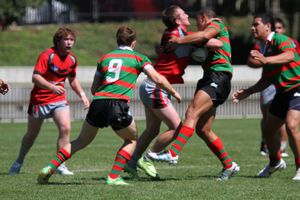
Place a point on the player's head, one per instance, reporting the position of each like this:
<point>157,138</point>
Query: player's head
<point>279,25</point>
<point>204,16</point>
<point>173,16</point>
<point>126,36</point>
<point>262,26</point>
<point>64,33</point>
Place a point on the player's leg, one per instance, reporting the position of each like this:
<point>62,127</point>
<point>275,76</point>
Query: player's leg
<point>215,144</point>
<point>171,118</point>
<point>86,136</point>
<point>292,124</point>
<point>200,104</point>
<point>264,110</point>
<point>283,141</point>
<point>33,129</point>
<point>129,135</point>
<point>272,136</point>
<point>61,117</point>
<point>152,129</point>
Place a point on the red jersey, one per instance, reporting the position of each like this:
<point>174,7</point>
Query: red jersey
<point>54,69</point>
<point>172,63</point>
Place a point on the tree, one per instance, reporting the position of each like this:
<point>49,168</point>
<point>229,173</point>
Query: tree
<point>12,10</point>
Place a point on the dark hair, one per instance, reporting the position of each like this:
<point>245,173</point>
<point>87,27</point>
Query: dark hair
<point>266,18</point>
<point>61,33</point>
<point>125,35</point>
<point>169,16</point>
<point>209,12</point>
<point>279,20</point>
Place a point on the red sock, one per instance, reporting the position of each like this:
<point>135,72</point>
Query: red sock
<point>61,157</point>
<point>120,161</point>
<point>184,134</point>
<point>218,149</point>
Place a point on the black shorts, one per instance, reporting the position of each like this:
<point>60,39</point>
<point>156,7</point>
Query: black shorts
<point>109,112</point>
<point>217,85</point>
<point>284,101</point>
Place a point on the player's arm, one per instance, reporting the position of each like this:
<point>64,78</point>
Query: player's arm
<point>162,82</point>
<point>41,82</point>
<point>244,93</point>
<point>96,82</point>
<point>213,44</point>
<point>282,58</point>
<point>76,87</point>
<point>201,37</point>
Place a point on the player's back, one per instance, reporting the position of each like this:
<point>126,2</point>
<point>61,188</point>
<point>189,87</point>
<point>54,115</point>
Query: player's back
<point>119,70</point>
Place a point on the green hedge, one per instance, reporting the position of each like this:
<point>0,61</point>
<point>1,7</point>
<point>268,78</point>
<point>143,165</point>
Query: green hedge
<point>20,45</point>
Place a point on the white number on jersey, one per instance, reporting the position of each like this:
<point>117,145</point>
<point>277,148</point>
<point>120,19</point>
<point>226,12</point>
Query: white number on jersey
<point>114,67</point>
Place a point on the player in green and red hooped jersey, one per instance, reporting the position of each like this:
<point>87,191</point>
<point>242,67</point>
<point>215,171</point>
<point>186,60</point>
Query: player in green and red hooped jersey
<point>212,90</point>
<point>112,87</point>
<point>281,67</point>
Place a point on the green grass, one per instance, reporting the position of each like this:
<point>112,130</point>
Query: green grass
<point>193,178</point>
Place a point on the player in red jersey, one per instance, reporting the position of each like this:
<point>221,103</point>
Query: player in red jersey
<point>212,90</point>
<point>171,63</point>
<point>113,85</point>
<point>3,87</point>
<point>281,67</point>
<point>48,96</point>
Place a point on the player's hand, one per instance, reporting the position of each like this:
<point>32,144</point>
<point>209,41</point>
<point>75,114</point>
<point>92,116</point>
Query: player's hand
<point>177,96</point>
<point>172,44</point>
<point>86,102</point>
<point>239,95</point>
<point>57,89</point>
<point>256,55</point>
<point>3,87</point>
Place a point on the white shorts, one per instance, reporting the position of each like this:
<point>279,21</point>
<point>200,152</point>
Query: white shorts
<point>267,95</point>
<point>46,110</point>
<point>153,96</point>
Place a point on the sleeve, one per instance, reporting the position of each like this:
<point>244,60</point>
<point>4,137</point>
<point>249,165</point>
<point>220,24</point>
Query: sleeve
<point>284,43</point>
<point>297,46</point>
<point>215,25</point>
<point>145,63</point>
<point>74,64</point>
<point>41,65</point>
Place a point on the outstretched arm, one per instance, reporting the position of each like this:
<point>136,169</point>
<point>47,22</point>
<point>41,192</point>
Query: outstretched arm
<point>162,82</point>
<point>244,93</point>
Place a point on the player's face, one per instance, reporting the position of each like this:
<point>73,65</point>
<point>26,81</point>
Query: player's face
<point>66,44</point>
<point>260,30</point>
<point>183,17</point>
<point>279,28</point>
<point>201,22</point>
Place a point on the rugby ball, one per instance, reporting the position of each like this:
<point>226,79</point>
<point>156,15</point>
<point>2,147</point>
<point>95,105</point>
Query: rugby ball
<point>200,54</point>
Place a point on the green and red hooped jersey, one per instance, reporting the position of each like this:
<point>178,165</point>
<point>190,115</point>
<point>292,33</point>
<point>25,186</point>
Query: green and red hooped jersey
<point>119,70</point>
<point>219,60</point>
<point>284,77</point>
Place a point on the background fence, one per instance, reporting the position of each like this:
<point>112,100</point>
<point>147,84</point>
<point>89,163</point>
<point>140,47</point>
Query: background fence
<point>13,105</point>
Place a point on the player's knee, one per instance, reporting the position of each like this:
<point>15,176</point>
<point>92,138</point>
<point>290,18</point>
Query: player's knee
<point>293,127</point>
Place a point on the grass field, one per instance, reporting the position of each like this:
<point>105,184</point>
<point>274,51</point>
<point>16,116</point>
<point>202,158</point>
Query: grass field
<point>193,178</point>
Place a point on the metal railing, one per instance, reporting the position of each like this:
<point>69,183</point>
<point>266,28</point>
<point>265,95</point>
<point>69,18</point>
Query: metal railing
<point>13,106</point>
